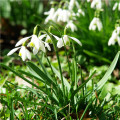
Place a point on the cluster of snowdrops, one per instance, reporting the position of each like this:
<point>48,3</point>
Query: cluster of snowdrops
<point>64,13</point>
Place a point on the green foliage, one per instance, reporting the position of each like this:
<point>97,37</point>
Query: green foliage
<point>61,103</point>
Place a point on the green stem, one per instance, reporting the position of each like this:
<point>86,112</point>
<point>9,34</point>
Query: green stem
<point>67,58</point>
<point>58,63</point>
<point>50,66</point>
<point>66,53</point>
<point>75,65</point>
<point>82,80</point>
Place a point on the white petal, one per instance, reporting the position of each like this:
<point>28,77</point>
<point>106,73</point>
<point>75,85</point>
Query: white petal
<point>60,43</point>
<point>35,40</point>
<point>23,53</point>
<point>99,24</point>
<point>93,27</point>
<point>118,30</point>
<point>71,26</point>
<point>119,6</point>
<point>115,6</point>
<point>76,40</point>
<point>99,5</point>
<point>93,4</point>
<point>48,39</point>
<point>71,4</point>
<point>35,51</point>
<point>118,41</point>
<point>66,40</point>
<point>57,38</point>
<point>28,54</point>
<point>20,42</point>
<point>12,51</point>
<point>111,41</point>
<point>48,46</point>
<point>50,14</point>
<point>77,4</point>
<point>93,24</point>
<point>42,47</point>
<point>42,36</point>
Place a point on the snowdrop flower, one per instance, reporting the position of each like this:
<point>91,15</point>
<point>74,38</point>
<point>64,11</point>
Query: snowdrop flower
<point>23,53</point>
<point>64,16</point>
<point>71,26</point>
<point>115,37</point>
<point>56,14</point>
<point>47,40</point>
<point>115,6</point>
<point>88,0</point>
<point>37,44</point>
<point>47,45</point>
<point>65,40</point>
<point>71,4</point>
<point>95,23</point>
<point>80,11</point>
<point>96,4</point>
<point>50,15</point>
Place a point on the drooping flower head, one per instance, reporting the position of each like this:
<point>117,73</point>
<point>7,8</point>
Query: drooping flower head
<point>97,4</point>
<point>23,53</point>
<point>116,5</point>
<point>95,24</point>
<point>71,25</point>
<point>115,37</point>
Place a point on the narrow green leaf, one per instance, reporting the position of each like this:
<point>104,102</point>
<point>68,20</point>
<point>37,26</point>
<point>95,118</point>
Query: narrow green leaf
<point>81,86</point>
<point>108,73</point>
<point>36,69</point>
<point>96,56</point>
<point>12,110</point>
<point>31,75</point>
<point>66,83</point>
<point>23,77</point>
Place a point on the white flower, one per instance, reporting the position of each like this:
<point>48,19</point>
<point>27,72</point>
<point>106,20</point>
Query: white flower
<point>65,40</point>
<point>119,6</point>
<point>64,16</point>
<point>95,23</point>
<point>12,51</point>
<point>47,45</point>
<point>23,53</point>
<point>88,0</point>
<point>115,37</point>
<point>56,14</point>
<point>37,44</point>
<point>116,5</point>
<point>96,4</point>
<point>71,4</point>
<point>47,40</point>
<point>80,12</point>
<point>50,15</point>
<point>71,26</point>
